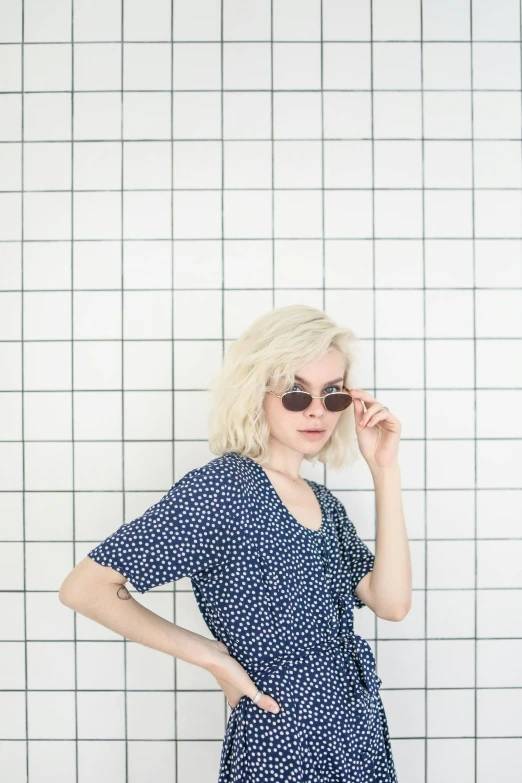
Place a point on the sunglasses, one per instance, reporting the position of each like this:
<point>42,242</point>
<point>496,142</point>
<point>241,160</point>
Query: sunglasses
<point>300,400</point>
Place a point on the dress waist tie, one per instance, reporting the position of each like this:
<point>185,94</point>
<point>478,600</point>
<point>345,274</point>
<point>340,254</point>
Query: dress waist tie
<point>353,644</point>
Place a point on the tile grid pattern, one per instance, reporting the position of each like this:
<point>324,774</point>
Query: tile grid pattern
<point>223,296</point>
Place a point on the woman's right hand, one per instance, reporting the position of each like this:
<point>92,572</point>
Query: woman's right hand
<point>233,680</point>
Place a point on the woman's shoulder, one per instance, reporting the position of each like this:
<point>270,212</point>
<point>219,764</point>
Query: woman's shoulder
<point>223,465</point>
<point>224,473</point>
<point>229,464</point>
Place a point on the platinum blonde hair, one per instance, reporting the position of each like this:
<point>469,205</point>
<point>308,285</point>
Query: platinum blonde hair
<point>265,357</point>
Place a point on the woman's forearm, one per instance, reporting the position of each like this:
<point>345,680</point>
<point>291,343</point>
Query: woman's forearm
<point>112,606</point>
<point>391,581</point>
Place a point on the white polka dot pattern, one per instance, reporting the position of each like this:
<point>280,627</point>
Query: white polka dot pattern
<point>361,557</point>
<point>281,597</point>
<point>191,529</point>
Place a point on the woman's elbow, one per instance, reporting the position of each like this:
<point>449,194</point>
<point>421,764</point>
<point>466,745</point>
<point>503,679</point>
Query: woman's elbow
<point>394,614</point>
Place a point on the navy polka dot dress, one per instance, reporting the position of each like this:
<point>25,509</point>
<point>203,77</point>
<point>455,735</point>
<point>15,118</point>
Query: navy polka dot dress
<point>281,597</point>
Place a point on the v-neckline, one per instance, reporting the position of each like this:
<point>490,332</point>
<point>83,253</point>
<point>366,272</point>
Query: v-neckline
<point>320,530</point>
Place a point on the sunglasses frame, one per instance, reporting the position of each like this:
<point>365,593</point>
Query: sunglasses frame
<point>344,390</point>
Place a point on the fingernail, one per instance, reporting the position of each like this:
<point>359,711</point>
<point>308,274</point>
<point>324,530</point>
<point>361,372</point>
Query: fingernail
<point>274,709</point>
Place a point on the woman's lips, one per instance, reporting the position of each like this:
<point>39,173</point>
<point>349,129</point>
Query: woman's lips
<point>312,434</point>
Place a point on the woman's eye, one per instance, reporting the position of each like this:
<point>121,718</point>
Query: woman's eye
<point>328,390</point>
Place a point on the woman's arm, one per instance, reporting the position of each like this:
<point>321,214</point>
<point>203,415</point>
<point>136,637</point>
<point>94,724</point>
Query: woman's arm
<point>98,592</point>
<point>387,588</point>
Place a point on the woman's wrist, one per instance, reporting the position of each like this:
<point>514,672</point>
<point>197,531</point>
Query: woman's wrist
<point>209,653</point>
<point>193,648</point>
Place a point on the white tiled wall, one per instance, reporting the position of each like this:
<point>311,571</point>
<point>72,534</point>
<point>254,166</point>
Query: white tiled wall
<point>171,169</point>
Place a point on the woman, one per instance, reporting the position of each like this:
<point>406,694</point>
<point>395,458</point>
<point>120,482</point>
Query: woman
<point>276,564</point>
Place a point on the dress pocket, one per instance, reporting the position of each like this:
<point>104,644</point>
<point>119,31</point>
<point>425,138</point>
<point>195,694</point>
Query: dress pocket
<point>233,709</point>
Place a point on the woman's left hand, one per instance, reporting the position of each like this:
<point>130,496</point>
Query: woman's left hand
<point>378,431</point>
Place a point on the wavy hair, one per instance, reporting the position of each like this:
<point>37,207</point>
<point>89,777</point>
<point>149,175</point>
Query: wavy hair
<point>265,357</point>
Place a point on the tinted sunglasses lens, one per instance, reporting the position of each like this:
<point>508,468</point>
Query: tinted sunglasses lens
<point>296,401</point>
<point>337,401</point>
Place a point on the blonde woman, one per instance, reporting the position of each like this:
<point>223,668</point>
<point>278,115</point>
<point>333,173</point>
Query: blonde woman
<point>276,565</point>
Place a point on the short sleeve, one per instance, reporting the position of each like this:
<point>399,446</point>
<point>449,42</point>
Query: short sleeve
<point>189,531</point>
<point>360,557</point>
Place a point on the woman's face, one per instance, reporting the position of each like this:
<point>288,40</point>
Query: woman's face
<point>288,427</point>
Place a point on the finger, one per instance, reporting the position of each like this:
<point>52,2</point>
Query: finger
<point>380,416</point>
<point>371,411</point>
<point>362,394</point>
<point>358,408</point>
<point>267,703</point>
